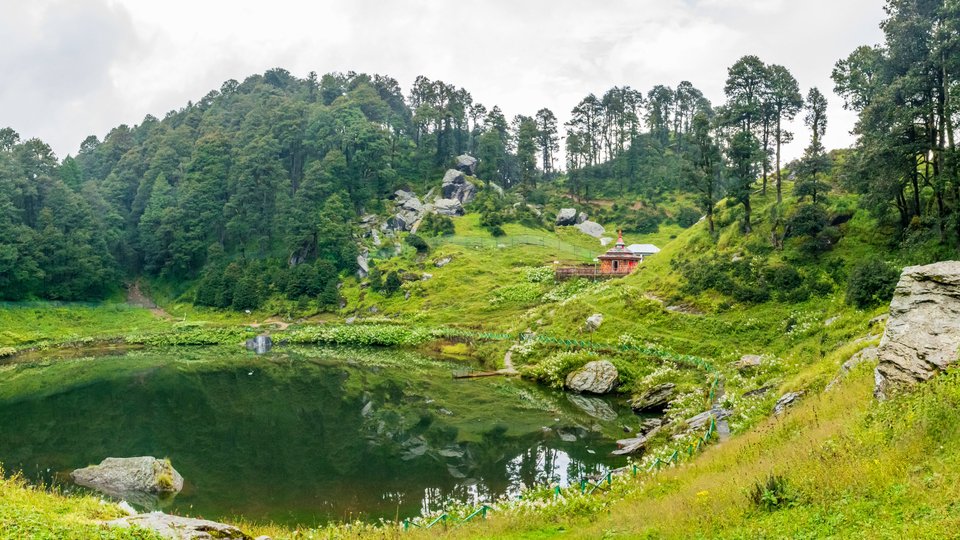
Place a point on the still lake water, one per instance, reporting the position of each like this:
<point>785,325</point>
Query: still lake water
<point>304,435</point>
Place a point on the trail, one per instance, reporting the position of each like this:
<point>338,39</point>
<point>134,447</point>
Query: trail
<point>135,297</point>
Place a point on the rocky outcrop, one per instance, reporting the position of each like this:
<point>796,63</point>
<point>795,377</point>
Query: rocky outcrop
<point>456,186</point>
<point>260,344</point>
<point>591,228</point>
<point>567,216</point>
<point>701,420</point>
<point>443,261</point>
<point>582,216</point>
<point>118,477</point>
<point>448,207</point>
<point>363,264</point>
<point>922,335</point>
<point>593,322</point>
<point>634,445</point>
<point>181,528</point>
<point>786,401</point>
<point>467,164</point>
<point>655,399</point>
<point>597,377</point>
<point>496,189</point>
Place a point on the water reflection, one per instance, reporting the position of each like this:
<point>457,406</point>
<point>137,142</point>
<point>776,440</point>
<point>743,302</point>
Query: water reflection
<point>310,437</point>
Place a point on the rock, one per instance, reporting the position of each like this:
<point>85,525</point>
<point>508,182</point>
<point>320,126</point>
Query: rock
<point>350,320</point>
<point>456,186</point>
<point>363,264</point>
<point>440,263</point>
<point>864,355</point>
<point>401,195</point>
<point>581,217</point>
<point>786,401</point>
<point>567,437</point>
<point>922,335</point>
<point>591,228</point>
<point>448,207</point>
<point>467,164</point>
<point>654,399</point>
<point>650,424</point>
<point>537,210</point>
<point>758,391</point>
<point>120,477</point>
<point>413,204</point>
<point>260,344</point>
<point>369,219</point>
<point>604,240</point>
<point>594,407</point>
<point>635,444</point>
<point>701,420</point>
<point>497,189</point>
<point>879,320</point>
<point>748,361</point>
<point>180,528</point>
<point>593,322</point>
<point>567,216</point>
<point>597,377</point>
<point>426,276</point>
<point>831,320</point>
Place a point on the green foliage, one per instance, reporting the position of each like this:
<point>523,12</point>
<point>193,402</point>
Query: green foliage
<point>554,369</point>
<point>871,282</point>
<point>391,283</point>
<point>436,225</point>
<point>771,494</point>
<point>645,220</point>
<point>687,217</point>
<point>417,243</point>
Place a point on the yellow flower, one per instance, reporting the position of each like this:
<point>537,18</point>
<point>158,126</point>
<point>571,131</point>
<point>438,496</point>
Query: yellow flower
<point>703,493</point>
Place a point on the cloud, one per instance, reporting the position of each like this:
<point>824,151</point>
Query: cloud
<point>80,67</point>
<point>57,60</point>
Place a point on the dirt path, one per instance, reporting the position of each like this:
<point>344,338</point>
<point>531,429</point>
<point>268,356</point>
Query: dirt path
<point>136,297</point>
<point>508,368</point>
<point>276,323</point>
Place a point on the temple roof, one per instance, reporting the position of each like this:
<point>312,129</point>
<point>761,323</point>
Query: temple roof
<point>620,251</point>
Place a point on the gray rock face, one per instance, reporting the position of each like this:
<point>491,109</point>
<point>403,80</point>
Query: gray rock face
<point>581,217</point>
<point>456,186</point>
<point>655,398</point>
<point>440,263</point>
<point>922,335</point>
<point>786,401</point>
<point>363,264</point>
<point>448,207</point>
<point>567,216</point>
<point>180,528</point>
<point>592,228</point>
<point>597,377</point>
<point>467,164</point>
<point>260,344</point>
<point>634,444</point>
<point>593,322</point>
<point>748,361</point>
<point>118,477</point>
<point>701,420</point>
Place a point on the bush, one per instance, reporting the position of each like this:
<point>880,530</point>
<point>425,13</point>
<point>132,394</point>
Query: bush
<point>437,225</point>
<point>871,283</point>
<point>646,221</point>
<point>417,243</point>
<point>687,217</point>
<point>772,494</point>
<point>391,284</point>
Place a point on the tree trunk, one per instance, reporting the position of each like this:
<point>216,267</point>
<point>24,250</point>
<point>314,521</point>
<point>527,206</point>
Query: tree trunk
<point>779,191</point>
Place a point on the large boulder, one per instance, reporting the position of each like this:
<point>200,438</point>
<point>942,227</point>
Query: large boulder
<point>180,528</point>
<point>592,228</point>
<point>456,186</point>
<point>593,322</point>
<point>467,164</point>
<point>260,344</point>
<point>567,216</point>
<point>655,399</point>
<point>448,207</point>
<point>597,377</point>
<point>119,476</point>
<point>786,401</point>
<point>922,336</point>
<point>363,264</point>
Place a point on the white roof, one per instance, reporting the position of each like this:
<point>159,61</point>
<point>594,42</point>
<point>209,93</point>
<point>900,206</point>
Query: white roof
<point>643,249</point>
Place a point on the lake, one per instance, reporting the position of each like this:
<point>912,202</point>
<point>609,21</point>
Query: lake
<point>304,435</point>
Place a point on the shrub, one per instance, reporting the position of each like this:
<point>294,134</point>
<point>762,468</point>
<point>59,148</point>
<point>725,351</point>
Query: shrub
<point>392,283</point>
<point>871,282</point>
<point>417,243</point>
<point>437,225</point>
<point>646,221</point>
<point>687,217</point>
<point>772,494</point>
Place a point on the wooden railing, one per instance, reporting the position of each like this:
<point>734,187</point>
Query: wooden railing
<point>591,272</point>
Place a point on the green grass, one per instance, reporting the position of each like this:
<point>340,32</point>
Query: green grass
<point>44,323</point>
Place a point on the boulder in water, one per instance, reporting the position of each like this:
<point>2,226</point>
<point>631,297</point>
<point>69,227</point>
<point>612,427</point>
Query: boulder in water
<point>597,377</point>
<point>119,476</point>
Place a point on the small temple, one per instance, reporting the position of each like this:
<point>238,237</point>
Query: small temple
<point>618,261</point>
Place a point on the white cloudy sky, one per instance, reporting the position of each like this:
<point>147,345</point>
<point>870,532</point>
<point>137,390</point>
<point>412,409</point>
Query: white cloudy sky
<point>71,68</point>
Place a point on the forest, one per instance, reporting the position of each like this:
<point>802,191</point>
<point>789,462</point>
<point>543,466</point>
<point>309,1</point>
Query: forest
<point>255,189</point>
